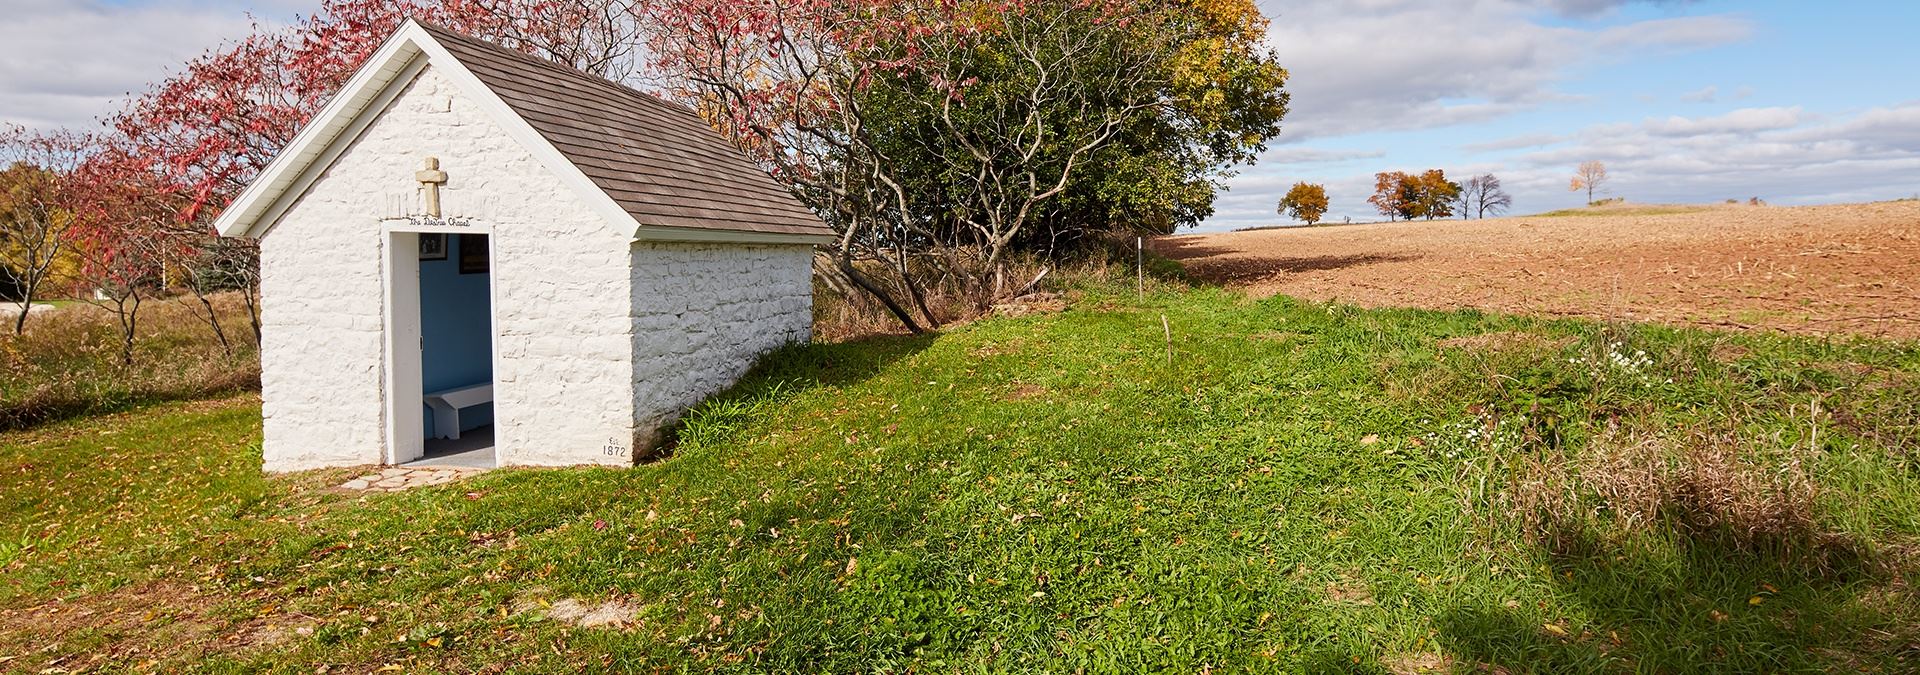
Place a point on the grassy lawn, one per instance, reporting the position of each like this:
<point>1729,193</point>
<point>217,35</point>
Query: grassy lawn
<point>1284,487</point>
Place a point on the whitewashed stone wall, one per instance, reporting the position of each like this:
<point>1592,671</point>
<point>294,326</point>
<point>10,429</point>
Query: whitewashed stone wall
<point>565,339</point>
<point>702,313</point>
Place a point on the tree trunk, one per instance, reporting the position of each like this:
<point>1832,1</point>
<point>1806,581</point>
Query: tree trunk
<point>866,284</point>
<point>919,299</point>
<point>213,319</point>
<point>253,308</point>
<point>30,289</point>
<point>906,279</point>
<point>128,309</point>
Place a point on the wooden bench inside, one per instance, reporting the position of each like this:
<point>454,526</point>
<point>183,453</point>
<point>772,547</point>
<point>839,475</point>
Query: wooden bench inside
<point>447,403</point>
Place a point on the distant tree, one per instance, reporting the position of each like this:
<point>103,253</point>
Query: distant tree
<point>1390,194</point>
<point>1305,202</point>
<point>1590,176</point>
<point>1404,196</point>
<point>36,220</point>
<point>1481,195</point>
<point>1433,196</point>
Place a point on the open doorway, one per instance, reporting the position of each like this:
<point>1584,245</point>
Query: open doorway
<point>456,350</point>
<point>440,349</point>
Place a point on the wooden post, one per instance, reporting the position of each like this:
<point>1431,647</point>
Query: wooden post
<point>1139,268</point>
<point>1168,328</point>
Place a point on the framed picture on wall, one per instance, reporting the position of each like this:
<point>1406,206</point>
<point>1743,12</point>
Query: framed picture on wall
<point>433,246</point>
<point>473,254</point>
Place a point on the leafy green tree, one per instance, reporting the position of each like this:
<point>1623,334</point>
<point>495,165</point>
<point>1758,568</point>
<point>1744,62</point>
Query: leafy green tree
<point>1081,117</point>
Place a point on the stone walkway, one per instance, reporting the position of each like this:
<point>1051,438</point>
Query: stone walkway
<point>395,479</point>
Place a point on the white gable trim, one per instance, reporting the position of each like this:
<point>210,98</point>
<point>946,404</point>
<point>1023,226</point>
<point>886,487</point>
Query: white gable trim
<point>368,92</point>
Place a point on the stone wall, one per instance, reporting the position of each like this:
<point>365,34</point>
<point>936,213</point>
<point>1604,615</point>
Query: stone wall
<point>702,314</point>
<point>562,308</point>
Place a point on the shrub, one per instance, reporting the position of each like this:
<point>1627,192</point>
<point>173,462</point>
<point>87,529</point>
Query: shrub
<point>842,312</point>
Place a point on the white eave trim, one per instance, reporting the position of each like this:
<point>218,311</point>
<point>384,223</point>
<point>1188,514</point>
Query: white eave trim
<point>293,170</point>
<point>713,236</point>
<point>376,84</point>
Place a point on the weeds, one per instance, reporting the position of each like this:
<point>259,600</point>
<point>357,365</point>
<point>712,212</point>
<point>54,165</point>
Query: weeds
<point>70,361</point>
<point>954,294</point>
<point>1711,488</point>
<point>717,420</point>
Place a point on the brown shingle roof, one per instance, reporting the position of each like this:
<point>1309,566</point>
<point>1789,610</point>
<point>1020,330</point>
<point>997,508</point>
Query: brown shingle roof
<point>659,161</point>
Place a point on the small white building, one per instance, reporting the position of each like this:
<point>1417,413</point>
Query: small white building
<point>475,251</point>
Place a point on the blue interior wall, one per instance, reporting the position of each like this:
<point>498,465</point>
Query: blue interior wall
<point>456,333</point>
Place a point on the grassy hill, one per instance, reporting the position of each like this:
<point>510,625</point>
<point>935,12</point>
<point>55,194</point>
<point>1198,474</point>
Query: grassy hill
<point>1281,486</point>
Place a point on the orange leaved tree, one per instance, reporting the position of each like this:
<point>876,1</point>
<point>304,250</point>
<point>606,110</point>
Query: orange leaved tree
<point>1306,202</point>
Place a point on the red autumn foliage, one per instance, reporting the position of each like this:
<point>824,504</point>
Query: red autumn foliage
<point>214,126</point>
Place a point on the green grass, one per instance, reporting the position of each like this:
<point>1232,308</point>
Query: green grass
<point>1286,487</point>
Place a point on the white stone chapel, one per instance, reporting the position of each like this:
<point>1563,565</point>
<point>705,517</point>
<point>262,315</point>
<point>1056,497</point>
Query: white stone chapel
<point>472,251</point>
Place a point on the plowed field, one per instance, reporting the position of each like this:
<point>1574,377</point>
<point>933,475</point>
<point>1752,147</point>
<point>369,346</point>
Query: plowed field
<point>1850,268</point>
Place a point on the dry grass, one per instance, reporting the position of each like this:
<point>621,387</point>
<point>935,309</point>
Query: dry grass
<point>1708,487</point>
<point>959,291</point>
<point>68,362</point>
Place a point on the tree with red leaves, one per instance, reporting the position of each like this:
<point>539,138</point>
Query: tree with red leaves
<point>194,141</point>
<point>127,229</point>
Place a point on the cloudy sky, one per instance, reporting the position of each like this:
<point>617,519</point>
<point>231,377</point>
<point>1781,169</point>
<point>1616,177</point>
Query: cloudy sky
<point>1686,101</point>
<point>1793,102</point>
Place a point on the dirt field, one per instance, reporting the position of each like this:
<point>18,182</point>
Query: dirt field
<point>1851,268</point>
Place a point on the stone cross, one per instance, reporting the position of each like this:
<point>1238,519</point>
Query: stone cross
<point>431,178</point>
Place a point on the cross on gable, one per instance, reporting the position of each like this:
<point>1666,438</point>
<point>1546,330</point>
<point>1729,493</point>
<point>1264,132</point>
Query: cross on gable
<point>431,178</point>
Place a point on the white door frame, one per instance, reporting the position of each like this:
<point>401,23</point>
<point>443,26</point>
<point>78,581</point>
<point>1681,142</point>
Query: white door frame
<point>405,424</point>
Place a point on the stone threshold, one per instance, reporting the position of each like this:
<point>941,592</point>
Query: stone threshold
<point>399,478</point>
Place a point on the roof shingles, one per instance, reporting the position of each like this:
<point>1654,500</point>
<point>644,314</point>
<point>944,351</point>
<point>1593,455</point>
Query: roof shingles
<point>659,161</point>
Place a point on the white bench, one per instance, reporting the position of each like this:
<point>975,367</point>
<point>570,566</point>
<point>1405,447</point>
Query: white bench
<point>447,403</point>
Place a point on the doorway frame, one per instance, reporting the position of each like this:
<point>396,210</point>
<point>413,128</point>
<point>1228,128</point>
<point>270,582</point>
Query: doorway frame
<point>401,334</point>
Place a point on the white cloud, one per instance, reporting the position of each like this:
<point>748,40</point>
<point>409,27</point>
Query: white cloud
<point>1782,155</point>
<point>1707,94</point>
<point>1293,154</point>
<point>1381,65</point>
<point>66,63</point>
<point>1746,120</point>
<point>1520,142</point>
<point>1689,32</point>
<point>1779,154</point>
<point>1597,7</point>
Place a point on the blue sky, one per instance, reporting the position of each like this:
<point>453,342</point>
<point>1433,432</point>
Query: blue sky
<point>1792,102</point>
<point>1686,101</point>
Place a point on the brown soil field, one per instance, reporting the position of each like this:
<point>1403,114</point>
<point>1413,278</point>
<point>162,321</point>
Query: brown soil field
<point>1846,269</point>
